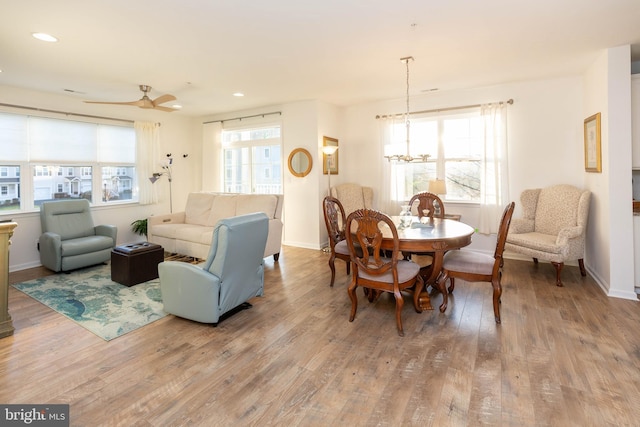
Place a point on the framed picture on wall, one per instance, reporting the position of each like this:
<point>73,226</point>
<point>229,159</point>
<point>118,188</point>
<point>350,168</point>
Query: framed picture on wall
<point>329,155</point>
<point>592,148</point>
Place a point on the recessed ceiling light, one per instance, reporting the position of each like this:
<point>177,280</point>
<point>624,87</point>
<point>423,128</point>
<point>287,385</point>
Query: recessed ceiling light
<point>176,106</point>
<point>238,94</point>
<point>44,37</point>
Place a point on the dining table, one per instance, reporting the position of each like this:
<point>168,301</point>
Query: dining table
<point>432,235</point>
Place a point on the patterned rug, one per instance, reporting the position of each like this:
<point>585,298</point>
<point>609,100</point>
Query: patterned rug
<point>89,297</point>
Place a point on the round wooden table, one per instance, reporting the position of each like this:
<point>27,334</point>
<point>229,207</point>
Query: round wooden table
<point>429,235</point>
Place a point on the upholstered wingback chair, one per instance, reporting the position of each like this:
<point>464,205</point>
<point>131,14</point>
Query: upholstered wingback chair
<point>232,274</point>
<point>553,226</point>
<point>353,197</point>
<point>69,239</point>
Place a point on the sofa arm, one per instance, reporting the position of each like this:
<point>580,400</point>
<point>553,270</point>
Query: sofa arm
<point>189,291</point>
<point>107,230</point>
<point>521,225</point>
<point>173,218</point>
<point>569,233</point>
<point>50,247</point>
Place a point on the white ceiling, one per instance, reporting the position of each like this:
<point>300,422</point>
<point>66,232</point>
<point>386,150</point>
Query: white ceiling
<point>340,51</point>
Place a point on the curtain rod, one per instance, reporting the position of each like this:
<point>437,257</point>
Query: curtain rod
<point>243,117</point>
<point>66,113</point>
<point>438,110</point>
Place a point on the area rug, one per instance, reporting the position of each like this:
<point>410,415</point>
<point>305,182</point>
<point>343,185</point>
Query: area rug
<point>89,297</point>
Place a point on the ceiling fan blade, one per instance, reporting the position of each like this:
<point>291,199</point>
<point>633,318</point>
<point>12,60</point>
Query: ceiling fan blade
<point>136,103</point>
<point>161,108</point>
<point>163,98</point>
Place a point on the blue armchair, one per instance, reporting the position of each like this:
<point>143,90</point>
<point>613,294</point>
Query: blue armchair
<point>232,274</point>
<point>69,240</point>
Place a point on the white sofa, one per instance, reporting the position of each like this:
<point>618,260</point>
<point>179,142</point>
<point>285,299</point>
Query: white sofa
<point>190,232</point>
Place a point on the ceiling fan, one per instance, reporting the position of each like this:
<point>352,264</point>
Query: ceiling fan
<point>145,101</point>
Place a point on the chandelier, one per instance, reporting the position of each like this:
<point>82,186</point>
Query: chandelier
<point>394,152</point>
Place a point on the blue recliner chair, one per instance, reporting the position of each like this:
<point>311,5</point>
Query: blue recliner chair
<point>232,274</point>
<point>69,240</point>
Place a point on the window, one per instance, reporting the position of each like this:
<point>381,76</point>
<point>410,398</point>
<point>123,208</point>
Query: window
<point>252,160</point>
<point>65,159</point>
<point>455,144</point>
<point>10,189</point>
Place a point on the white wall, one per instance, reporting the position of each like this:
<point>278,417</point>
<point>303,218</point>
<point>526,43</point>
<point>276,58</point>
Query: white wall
<point>178,136</point>
<point>607,89</point>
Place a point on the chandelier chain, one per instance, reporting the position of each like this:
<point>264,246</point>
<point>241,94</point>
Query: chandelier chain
<point>407,116</point>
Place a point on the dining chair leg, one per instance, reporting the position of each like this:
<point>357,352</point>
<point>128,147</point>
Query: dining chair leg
<point>354,298</point>
<point>332,266</point>
<point>497,292</point>
<point>399,305</point>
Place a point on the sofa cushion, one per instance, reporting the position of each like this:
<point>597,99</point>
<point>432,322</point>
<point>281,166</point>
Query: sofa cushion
<point>224,206</point>
<point>85,245</point>
<point>250,203</point>
<point>198,208</point>
<point>169,231</point>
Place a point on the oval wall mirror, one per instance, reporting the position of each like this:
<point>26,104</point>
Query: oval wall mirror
<point>300,162</point>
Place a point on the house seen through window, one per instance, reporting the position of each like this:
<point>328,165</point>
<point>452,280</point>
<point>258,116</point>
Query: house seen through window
<point>65,159</point>
<point>454,143</point>
<point>252,160</point>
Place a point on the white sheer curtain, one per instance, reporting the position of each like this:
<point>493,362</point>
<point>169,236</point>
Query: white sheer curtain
<point>389,196</point>
<point>147,147</point>
<point>494,180</point>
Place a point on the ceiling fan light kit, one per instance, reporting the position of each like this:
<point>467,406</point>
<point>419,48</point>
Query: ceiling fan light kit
<point>145,102</point>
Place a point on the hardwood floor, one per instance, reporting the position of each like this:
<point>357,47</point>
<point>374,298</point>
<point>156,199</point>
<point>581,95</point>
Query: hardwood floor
<point>561,357</point>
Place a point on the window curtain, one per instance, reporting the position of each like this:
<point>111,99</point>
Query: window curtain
<point>391,193</point>
<point>147,150</point>
<point>212,158</point>
<point>494,182</point>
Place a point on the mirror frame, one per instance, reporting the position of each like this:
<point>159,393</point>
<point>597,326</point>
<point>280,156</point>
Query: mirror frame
<point>304,152</point>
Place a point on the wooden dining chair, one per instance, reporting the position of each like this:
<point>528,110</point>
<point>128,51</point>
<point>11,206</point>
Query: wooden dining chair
<point>475,266</point>
<point>372,270</point>
<point>429,205</point>
<point>335,220</point>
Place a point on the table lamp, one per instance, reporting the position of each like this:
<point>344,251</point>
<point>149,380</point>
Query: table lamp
<point>437,186</point>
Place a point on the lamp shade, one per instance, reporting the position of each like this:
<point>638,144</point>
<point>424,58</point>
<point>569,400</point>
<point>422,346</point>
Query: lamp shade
<point>437,186</point>
<point>329,149</point>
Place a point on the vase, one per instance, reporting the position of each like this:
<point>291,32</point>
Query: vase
<point>405,216</point>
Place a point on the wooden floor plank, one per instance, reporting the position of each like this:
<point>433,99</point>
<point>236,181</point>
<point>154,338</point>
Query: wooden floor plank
<point>561,356</point>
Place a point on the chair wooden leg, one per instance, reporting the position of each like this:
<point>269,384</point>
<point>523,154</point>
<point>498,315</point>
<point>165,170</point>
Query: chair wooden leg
<point>332,266</point>
<point>583,272</point>
<point>497,292</point>
<point>399,305</point>
<point>354,298</point>
<point>452,286</point>
<point>558,266</point>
